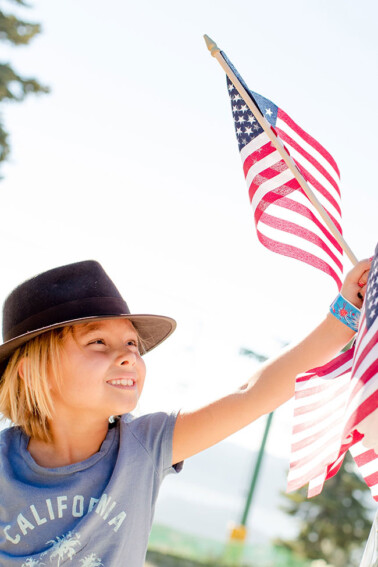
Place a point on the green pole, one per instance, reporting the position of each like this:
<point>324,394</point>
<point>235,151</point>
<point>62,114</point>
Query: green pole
<point>256,470</point>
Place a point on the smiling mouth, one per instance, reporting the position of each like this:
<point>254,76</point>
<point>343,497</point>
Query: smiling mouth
<point>122,383</point>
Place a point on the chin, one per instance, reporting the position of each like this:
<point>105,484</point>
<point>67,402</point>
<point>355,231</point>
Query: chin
<point>123,410</point>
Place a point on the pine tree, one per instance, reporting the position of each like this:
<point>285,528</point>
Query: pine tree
<point>335,525</point>
<point>14,87</point>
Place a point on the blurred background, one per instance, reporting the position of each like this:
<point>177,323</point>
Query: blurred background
<point>117,144</point>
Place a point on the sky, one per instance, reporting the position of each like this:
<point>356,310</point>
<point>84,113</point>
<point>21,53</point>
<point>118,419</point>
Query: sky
<point>132,160</point>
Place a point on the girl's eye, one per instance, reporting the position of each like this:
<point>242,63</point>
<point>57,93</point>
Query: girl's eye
<point>132,343</point>
<point>97,342</point>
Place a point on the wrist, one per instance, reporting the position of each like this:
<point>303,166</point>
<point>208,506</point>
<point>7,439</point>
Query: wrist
<point>345,312</point>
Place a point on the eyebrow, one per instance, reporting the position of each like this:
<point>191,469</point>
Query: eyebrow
<point>91,326</point>
<point>86,328</point>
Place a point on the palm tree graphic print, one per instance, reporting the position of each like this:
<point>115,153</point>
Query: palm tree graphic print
<point>64,547</point>
<point>91,560</point>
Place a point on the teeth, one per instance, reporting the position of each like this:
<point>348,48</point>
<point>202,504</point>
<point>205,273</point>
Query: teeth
<point>123,382</point>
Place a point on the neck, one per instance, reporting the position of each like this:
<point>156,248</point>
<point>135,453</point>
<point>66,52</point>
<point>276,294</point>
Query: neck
<point>72,441</point>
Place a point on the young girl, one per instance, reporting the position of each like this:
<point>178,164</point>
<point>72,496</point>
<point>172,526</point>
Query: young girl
<point>79,474</point>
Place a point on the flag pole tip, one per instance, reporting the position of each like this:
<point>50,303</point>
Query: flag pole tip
<point>211,45</point>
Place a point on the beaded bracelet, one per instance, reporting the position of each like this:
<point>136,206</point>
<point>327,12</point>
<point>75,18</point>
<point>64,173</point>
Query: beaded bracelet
<point>346,312</point>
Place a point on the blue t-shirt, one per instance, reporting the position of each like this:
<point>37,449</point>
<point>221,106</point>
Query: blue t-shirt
<point>96,513</point>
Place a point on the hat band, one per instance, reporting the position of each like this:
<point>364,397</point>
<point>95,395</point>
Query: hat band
<point>77,309</point>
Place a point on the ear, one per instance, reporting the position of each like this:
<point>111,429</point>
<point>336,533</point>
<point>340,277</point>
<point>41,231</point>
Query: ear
<point>21,367</point>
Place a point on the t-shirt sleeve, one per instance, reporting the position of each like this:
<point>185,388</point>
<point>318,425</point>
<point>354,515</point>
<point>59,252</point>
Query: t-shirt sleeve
<point>155,433</point>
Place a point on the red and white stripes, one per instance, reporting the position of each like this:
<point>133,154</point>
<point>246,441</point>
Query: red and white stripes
<point>286,221</point>
<point>331,404</point>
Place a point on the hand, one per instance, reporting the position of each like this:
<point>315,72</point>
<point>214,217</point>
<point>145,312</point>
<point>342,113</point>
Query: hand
<point>355,281</point>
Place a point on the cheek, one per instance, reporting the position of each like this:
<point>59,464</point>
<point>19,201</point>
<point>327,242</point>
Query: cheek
<point>142,366</point>
<point>74,373</point>
<point>141,373</point>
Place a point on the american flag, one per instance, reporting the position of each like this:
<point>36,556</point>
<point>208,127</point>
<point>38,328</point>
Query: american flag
<point>336,408</point>
<point>286,221</point>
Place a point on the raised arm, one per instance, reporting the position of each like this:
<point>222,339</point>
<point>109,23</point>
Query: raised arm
<point>271,385</point>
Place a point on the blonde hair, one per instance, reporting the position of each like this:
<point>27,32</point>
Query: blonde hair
<point>25,397</point>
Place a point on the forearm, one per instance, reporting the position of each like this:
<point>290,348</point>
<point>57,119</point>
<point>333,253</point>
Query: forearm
<point>274,381</point>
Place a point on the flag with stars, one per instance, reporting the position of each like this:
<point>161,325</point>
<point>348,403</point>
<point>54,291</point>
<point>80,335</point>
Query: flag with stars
<point>286,221</point>
<point>336,408</point>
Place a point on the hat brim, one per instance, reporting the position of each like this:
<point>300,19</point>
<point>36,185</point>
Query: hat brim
<point>152,329</point>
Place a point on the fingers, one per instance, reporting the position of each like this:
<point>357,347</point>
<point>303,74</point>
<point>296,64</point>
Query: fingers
<point>361,267</point>
<point>363,279</point>
<point>360,272</point>
<point>354,287</point>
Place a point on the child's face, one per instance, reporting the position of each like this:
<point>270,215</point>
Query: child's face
<point>102,371</point>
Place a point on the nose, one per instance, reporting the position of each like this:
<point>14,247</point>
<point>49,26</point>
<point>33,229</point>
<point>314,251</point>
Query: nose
<point>127,357</point>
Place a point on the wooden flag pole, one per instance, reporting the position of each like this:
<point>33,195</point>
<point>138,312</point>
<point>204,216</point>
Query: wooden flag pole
<point>215,52</point>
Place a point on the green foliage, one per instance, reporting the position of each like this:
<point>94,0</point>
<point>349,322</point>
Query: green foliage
<point>16,31</point>
<point>14,87</point>
<point>334,525</point>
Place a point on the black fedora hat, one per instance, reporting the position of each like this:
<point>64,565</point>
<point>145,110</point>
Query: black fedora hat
<point>76,293</point>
